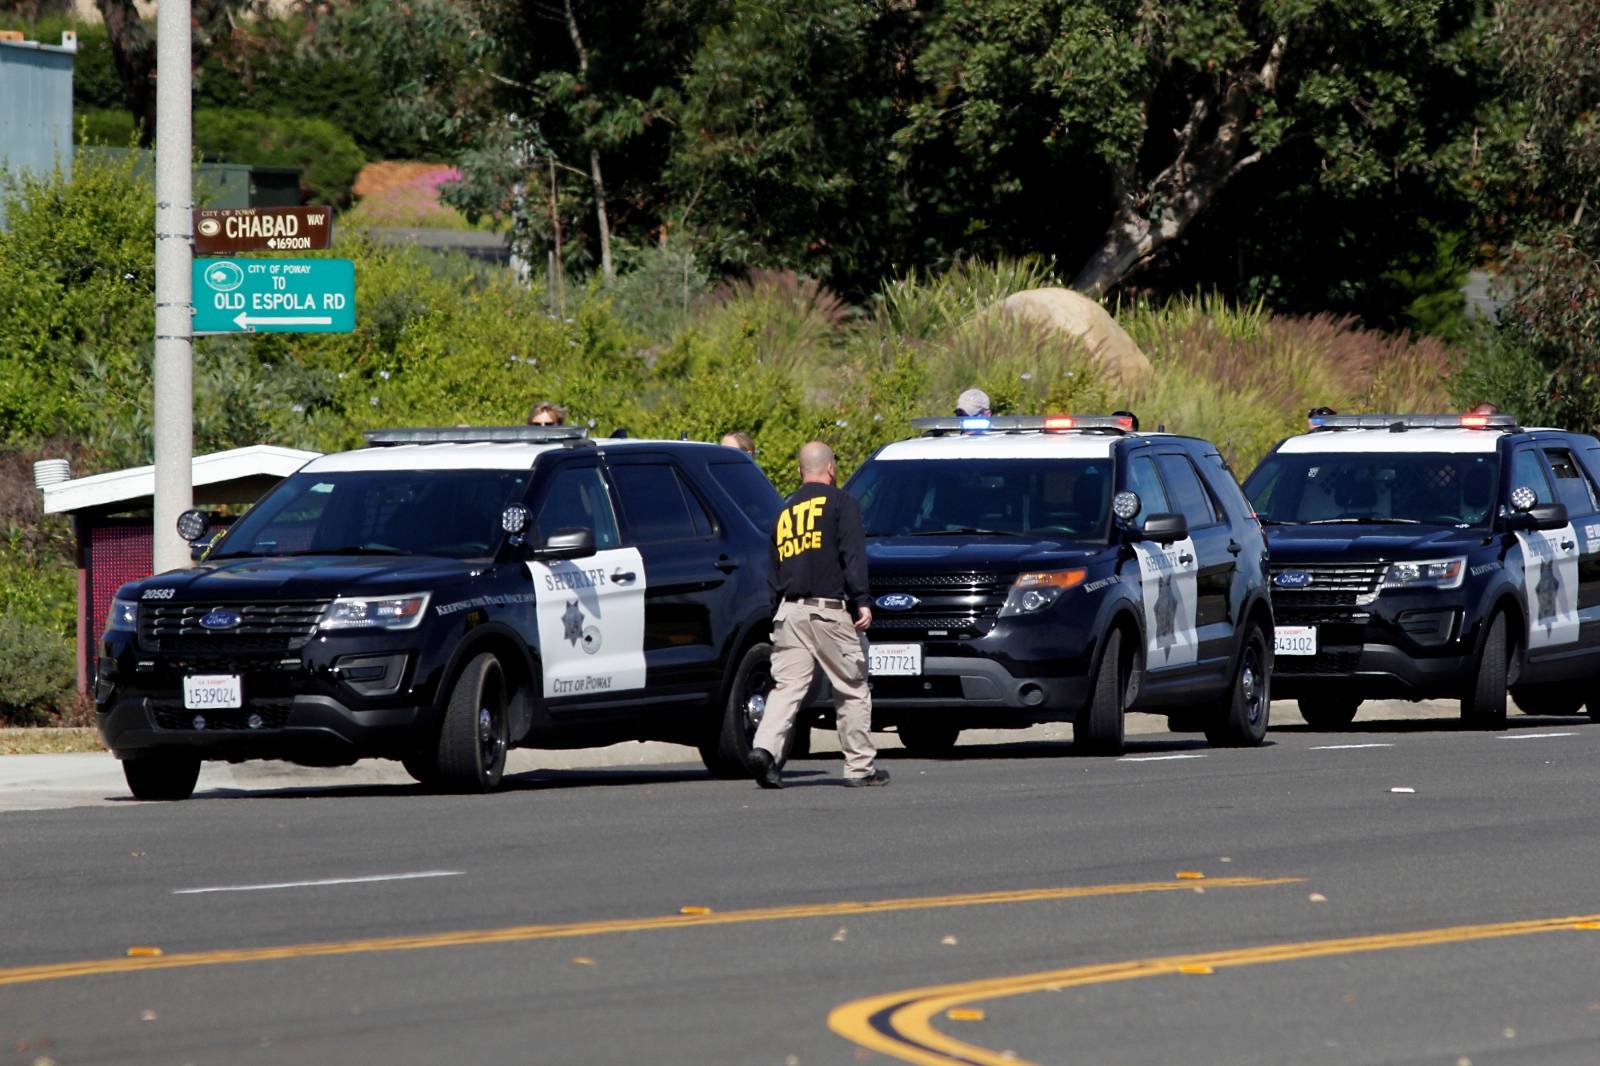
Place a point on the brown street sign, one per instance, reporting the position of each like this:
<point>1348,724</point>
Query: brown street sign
<point>225,230</point>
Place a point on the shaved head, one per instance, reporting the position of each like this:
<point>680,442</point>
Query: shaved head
<point>816,462</point>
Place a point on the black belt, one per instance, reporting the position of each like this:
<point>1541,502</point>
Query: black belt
<point>814,601</point>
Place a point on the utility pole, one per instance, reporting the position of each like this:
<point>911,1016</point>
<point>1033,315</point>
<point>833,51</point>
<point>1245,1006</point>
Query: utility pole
<point>174,362</point>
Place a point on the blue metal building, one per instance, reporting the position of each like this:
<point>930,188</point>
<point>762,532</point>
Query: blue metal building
<point>36,104</point>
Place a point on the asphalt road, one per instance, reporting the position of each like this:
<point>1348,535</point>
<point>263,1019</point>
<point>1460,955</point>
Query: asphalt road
<point>1015,904</point>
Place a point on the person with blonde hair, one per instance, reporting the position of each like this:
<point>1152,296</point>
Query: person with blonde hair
<point>738,438</point>
<point>545,413</point>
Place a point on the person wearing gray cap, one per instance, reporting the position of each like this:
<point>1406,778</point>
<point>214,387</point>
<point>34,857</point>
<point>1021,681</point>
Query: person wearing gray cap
<point>972,403</point>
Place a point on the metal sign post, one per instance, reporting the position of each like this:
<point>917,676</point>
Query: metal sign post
<point>174,349</point>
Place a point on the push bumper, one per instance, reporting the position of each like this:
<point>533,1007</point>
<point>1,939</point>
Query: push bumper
<point>312,729</point>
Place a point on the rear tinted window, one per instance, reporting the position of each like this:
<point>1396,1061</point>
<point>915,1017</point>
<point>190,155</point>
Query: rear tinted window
<point>658,505</point>
<point>1194,503</point>
<point>750,491</point>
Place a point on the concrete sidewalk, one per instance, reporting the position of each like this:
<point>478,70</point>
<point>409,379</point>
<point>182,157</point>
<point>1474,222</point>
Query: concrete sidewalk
<point>49,782</point>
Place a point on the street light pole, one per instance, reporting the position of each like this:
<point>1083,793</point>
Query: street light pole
<point>174,353</point>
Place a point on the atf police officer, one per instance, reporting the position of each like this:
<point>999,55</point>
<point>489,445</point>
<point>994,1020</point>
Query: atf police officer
<point>819,574</point>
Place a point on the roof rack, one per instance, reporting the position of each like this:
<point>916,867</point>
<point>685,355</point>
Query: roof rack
<point>939,426</point>
<point>1401,422</point>
<point>571,436</point>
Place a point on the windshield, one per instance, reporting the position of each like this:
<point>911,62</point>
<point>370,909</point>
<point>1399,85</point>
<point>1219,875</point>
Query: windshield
<point>452,513</point>
<point>1417,487</point>
<point>1056,497</point>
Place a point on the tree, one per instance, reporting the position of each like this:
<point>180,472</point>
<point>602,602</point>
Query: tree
<point>133,50</point>
<point>1552,274</point>
<point>1118,123</point>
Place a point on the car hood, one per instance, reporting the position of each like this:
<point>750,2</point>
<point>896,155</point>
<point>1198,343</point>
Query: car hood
<point>965,552</point>
<point>308,577</point>
<point>1352,543</point>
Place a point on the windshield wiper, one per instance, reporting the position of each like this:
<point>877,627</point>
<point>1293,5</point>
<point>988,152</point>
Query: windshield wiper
<point>963,531</point>
<point>1367,520</point>
<point>352,549</point>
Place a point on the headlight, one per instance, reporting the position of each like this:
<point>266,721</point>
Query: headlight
<point>1430,574</point>
<point>123,616</point>
<point>376,612</point>
<point>1034,592</point>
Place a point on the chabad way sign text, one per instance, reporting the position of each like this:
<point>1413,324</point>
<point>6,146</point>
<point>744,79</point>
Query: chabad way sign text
<point>274,296</point>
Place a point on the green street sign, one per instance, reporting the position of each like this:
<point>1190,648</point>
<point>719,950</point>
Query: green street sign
<point>274,296</point>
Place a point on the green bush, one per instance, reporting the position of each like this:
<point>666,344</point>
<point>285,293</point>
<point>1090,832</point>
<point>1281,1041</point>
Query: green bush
<point>37,671</point>
<point>329,159</point>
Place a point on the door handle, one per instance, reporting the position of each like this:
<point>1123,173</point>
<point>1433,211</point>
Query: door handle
<point>623,577</point>
<point>726,565</point>
<point>1185,559</point>
<point>1567,545</point>
<point>1234,547</point>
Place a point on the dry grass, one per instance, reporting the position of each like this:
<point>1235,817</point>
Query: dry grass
<point>47,740</point>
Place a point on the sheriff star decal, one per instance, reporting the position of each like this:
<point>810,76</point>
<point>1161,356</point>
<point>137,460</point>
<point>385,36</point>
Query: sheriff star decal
<point>1166,613</point>
<point>572,623</point>
<point>1545,591</point>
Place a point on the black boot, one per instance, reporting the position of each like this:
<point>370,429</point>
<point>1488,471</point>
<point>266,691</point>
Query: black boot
<point>763,769</point>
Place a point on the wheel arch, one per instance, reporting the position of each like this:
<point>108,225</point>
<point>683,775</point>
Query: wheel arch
<point>518,662</point>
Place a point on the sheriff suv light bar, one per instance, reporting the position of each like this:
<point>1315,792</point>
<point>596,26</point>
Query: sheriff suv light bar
<point>1404,422</point>
<point>477,435</point>
<point>934,427</point>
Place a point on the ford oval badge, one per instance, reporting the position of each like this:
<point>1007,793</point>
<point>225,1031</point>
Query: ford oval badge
<point>1292,579</point>
<point>897,601</point>
<point>218,618</point>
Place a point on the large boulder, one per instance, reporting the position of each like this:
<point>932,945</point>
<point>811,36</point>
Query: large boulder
<point>1074,314</point>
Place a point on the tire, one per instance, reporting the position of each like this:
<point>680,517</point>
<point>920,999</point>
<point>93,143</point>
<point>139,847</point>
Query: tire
<point>163,776</point>
<point>1483,705</point>
<point>472,737</point>
<point>726,751</point>
<point>931,738</point>
<point>1329,713</point>
<point>1240,719</point>
<point>1097,728</point>
<point>1549,699</point>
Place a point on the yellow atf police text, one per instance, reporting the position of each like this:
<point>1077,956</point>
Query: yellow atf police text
<point>797,527</point>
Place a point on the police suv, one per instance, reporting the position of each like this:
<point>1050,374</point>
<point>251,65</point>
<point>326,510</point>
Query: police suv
<point>1037,569</point>
<point>1418,556</point>
<point>442,595</point>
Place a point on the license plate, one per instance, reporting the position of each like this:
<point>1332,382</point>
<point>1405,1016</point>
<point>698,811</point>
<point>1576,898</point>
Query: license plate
<point>895,660</point>
<point>1296,640</point>
<point>203,692</point>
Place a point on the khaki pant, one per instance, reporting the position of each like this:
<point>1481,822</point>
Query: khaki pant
<point>802,637</point>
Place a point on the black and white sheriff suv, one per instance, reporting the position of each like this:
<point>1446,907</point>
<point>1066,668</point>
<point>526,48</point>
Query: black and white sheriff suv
<point>442,595</point>
<point>1419,556</point>
<point>1038,569</point>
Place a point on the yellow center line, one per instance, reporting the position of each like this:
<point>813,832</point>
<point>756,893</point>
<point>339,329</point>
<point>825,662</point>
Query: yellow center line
<point>18,975</point>
<point>900,1024</point>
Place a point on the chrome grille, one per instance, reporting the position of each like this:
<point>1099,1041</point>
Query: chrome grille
<point>1332,584</point>
<point>282,626</point>
<point>960,603</point>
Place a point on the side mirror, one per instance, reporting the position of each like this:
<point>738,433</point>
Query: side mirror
<point>566,544</point>
<point>1164,528</point>
<point>1539,516</point>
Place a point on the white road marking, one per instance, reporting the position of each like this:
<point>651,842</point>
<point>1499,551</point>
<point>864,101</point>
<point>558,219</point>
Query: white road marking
<point>1535,736</point>
<point>1348,747</point>
<point>317,884</point>
<point>1156,758</point>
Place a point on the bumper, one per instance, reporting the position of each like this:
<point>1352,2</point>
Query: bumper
<point>311,729</point>
<point>1372,671</point>
<point>983,693</point>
